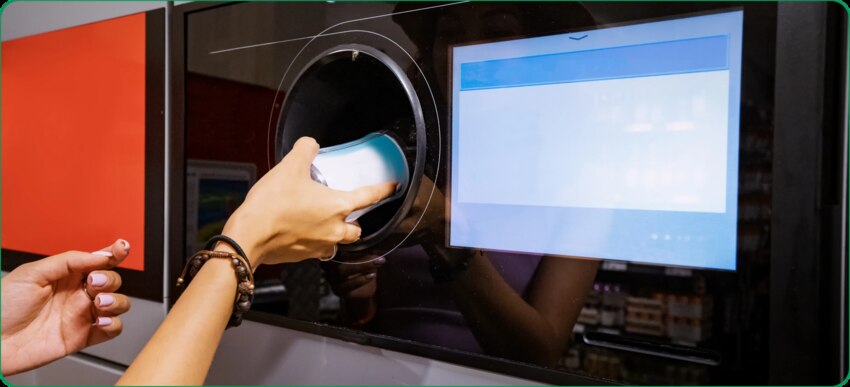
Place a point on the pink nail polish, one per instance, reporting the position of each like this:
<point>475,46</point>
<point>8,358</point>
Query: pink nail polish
<point>103,253</point>
<point>97,279</point>
<point>105,299</point>
<point>104,321</point>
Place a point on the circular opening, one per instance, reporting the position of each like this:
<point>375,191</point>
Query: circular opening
<point>345,94</point>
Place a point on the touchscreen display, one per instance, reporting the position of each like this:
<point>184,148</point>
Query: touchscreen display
<point>617,143</point>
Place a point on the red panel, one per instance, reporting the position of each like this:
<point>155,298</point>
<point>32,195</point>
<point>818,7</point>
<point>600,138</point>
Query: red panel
<point>73,130</point>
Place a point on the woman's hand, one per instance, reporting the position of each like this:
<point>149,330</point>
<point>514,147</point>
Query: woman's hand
<point>288,217</point>
<point>47,312</point>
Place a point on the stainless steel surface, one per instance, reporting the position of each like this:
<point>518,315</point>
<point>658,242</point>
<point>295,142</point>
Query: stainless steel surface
<point>281,356</point>
<point>78,370</point>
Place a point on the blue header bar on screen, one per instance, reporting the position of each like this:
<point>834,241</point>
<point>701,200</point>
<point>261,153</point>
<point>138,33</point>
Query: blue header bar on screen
<point>650,59</point>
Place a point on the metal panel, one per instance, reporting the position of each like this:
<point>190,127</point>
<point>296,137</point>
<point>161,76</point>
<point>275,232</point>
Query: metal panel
<point>79,370</point>
<point>807,204</point>
<point>281,356</point>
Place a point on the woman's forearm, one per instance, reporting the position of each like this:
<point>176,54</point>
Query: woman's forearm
<point>503,323</point>
<point>286,217</point>
<point>182,349</point>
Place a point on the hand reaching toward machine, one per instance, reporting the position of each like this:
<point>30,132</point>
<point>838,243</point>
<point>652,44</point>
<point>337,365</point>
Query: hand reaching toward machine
<point>288,217</point>
<point>59,305</point>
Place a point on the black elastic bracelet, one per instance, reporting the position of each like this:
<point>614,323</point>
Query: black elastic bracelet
<point>226,239</point>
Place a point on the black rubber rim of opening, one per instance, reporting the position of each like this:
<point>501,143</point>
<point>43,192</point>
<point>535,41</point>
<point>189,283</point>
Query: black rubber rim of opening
<point>344,52</point>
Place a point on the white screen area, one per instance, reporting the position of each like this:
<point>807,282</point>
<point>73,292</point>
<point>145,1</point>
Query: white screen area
<point>647,143</point>
<point>618,143</point>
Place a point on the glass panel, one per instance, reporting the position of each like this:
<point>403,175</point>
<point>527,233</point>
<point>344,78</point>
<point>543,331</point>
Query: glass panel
<point>590,282</point>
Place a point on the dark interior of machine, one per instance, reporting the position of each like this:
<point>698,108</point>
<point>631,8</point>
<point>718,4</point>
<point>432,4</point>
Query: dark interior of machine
<point>353,90</point>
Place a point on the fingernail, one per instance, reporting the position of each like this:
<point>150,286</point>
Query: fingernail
<point>104,321</point>
<point>370,275</point>
<point>380,261</point>
<point>103,253</point>
<point>98,279</point>
<point>126,245</point>
<point>105,299</point>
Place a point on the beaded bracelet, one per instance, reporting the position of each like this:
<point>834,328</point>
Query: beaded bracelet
<point>244,276</point>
